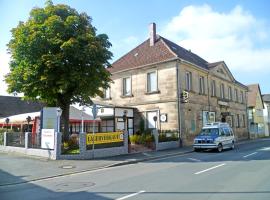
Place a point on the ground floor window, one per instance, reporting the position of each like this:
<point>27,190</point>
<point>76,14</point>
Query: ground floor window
<point>107,125</point>
<point>230,120</point>
<point>237,121</point>
<point>244,120</point>
<point>208,117</point>
<point>152,118</point>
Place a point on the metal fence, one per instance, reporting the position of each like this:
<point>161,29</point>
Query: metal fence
<point>34,140</point>
<point>15,139</point>
<point>1,138</point>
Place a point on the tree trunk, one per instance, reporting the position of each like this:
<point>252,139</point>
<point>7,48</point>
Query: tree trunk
<point>65,121</point>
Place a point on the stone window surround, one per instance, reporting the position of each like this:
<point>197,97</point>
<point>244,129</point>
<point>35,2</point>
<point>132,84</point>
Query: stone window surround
<point>109,97</point>
<point>230,95</point>
<point>237,124</point>
<point>146,82</point>
<point>213,88</point>
<point>222,91</point>
<point>241,97</point>
<point>236,95</point>
<point>188,80</point>
<point>244,120</point>
<point>126,95</point>
<point>201,85</point>
<point>146,118</point>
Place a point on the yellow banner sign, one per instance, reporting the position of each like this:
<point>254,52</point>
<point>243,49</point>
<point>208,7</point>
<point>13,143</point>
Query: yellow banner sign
<point>104,138</point>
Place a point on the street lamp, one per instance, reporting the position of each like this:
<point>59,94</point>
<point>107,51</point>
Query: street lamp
<point>58,113</point>
<point>83,109</point>
<point>125,118</point>
<point>7,121</point>
<point>155,120</point>
<point>28,119</point>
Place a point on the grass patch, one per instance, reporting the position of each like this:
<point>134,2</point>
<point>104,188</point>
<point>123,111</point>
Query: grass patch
<point>71,151</point>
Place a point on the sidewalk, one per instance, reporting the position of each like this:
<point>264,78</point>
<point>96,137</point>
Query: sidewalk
<point>13,165</point>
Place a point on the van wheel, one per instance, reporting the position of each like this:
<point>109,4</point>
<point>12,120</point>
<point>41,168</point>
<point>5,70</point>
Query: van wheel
<point>196,149</point>
<point>220,148</point>
<point>233,146</point>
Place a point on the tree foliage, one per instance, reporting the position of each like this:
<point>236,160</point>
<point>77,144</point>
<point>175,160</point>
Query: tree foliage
<point>58,58</point>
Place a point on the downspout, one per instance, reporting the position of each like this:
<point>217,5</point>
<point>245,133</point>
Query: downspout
<point>208,95</point>
<point>178,86</point>
<point>247,117</point>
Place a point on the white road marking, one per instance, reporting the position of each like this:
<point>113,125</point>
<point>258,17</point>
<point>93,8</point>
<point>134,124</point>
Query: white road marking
<point>210,168</point>
<point>250,154</point>
<point>194,159</point>
<point>265,149</point>
<point>130,195</point>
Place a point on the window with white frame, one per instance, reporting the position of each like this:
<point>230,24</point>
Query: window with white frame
<point>107,93</point>
<point>201,85</point>
<point>213,88</point>
<point>188,81</point>
<point>152,82</point>
<point>230,93</point>
<point>127,86</point>
<point>222,92</point>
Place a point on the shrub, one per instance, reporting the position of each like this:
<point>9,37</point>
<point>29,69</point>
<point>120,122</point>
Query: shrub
<point>141,139</point>
<point>135,139</point>
<point>168,135</point>
<point>2,130</point>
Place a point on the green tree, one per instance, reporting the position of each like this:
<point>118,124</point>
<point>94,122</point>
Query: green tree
<point>58,58</point>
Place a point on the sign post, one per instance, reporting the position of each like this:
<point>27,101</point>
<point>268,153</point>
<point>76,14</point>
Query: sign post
<point>94,112</point>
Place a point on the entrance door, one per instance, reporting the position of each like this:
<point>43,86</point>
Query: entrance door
<point>223,119</point>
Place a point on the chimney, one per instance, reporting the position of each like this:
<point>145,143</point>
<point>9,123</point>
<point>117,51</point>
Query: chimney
<point>152,33</point>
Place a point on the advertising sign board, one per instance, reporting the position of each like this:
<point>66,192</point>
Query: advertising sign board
<point>47,138</point>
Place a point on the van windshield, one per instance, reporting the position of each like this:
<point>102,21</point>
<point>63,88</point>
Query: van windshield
<point>209,131</point>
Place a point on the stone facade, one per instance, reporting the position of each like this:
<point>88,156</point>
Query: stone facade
<point>226,107</point>
<point>165,100</point>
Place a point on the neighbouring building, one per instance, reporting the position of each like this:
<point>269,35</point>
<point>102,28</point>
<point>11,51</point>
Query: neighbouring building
<point>10,105</point>
<point>266,113</point>
<point>255,111</point>
<point>173,88</point>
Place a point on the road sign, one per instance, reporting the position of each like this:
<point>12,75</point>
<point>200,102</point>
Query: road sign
<point>163,117</point>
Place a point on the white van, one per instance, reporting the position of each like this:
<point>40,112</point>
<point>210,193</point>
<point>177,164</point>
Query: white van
<point>215,135</point>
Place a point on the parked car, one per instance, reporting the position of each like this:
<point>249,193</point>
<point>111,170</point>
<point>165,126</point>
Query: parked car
<point>215,135</point>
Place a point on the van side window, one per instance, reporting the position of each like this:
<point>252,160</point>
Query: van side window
<point>227,131</point>
<point>222,133</point>
<point>231,131</point>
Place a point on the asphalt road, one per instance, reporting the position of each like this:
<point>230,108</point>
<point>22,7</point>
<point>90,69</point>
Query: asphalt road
<point>243,173</point>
